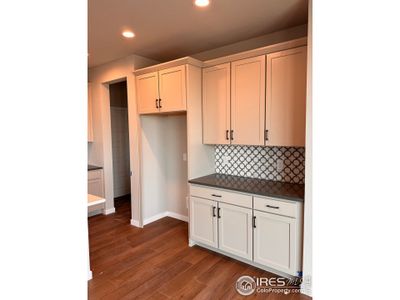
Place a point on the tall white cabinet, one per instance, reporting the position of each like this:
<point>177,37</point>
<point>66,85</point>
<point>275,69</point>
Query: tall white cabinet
<point>172,152</point>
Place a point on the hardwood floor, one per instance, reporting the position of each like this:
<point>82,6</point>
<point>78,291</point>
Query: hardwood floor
<point>156,262</point>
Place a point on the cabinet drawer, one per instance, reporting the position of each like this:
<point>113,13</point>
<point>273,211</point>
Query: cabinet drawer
<point>221,195</point>
<point>275,206</point>
<point>95,174</point>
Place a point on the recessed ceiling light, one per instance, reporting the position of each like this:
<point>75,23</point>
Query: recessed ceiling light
<point>202,3</point>
<point>128,34</point>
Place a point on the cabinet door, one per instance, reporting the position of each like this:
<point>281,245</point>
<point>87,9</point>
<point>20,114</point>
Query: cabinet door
<point>90,116</point>
<point>286,97</point>
<point>172,83</point>
<point>216,104</point>
<point>203,221</point>
<point>274,241</point>
<point>235,230</point>
<point>95,187</point>
<point>147,93</point>
<point>248,101</point>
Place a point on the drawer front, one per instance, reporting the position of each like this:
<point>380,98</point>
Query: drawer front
<point>275,206</point>
<point>95,174</point>
<point>221,195</point>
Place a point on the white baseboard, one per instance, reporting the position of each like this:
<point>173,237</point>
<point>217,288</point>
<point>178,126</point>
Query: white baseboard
<point>163,215</point>
<point>177,216</point>
<point>154,218</point>
<point>135,223</point>
<point>90,275</point>
<point>109,211</point>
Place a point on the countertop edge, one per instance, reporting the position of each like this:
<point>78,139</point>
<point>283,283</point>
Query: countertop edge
<point>296,199</point>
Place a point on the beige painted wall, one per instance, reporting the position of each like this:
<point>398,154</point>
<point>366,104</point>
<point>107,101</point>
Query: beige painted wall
<point>100,151</point>
<point>257,42</point>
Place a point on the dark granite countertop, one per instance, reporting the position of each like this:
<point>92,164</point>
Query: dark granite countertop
<point>262,187</point>
<point>92,167</point>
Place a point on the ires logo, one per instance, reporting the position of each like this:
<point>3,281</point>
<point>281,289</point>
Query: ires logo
<point>247,285</point>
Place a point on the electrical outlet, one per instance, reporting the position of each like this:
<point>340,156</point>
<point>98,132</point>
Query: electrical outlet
<point>225,160</point>
<point>280,165</point>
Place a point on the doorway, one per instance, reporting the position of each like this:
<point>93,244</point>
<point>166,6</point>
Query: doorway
<point>120,144</point>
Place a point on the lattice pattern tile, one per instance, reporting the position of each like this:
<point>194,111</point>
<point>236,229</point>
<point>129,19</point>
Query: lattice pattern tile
<point>261,162</point>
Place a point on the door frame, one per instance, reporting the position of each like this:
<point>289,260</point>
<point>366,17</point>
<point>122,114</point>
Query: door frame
<point>134,149</point>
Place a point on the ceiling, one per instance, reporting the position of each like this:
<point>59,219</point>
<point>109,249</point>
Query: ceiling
<point>169,29</point>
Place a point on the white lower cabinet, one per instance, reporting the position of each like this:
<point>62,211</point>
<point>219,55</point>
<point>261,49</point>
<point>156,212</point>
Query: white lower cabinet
<point>274,241</point>
<point>96,183</point>
<point>266,232</point>
<point>203,221</point>
<point>235,230</point>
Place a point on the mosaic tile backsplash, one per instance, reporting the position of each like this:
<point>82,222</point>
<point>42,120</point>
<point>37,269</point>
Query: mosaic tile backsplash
<point>261,162</point>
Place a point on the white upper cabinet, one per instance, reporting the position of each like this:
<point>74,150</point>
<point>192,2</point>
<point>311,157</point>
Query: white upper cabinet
<point>286,97</point>
<point>248,101</point>
<point>162,91</point>
<point>172,85</point>
<point>147,93</point>
<point>216,104</point>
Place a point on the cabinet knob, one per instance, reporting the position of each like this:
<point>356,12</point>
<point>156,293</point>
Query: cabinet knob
<point>213,211</point>
<point>159,103</point>
<point>227,135</point>
<point>266,134</point>
<point>156,103</point>
<point>231,134</point>
<point>215,195</point>
<point>219,213</point>
<point>254,221</point>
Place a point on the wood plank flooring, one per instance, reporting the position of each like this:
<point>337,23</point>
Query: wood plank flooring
<point>156,262</point>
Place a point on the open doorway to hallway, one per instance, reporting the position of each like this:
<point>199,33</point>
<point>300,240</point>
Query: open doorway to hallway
<point>120,143</point>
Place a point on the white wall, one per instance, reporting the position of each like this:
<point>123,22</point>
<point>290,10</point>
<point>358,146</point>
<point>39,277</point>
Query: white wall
<point>177,171</point>
<point>164,172</point>
<point>154,156</point>
<point>120,151</point>
<point>257,42</point>
<point>100,152</point>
